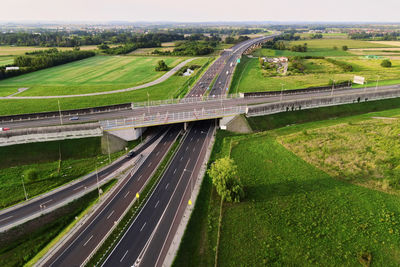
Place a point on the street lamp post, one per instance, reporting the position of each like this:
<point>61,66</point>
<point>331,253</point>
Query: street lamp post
<point>377,82</point>
<point>23,185</point>
<point>97,179</point>
<point>281,92</point>
<point>333,87</point>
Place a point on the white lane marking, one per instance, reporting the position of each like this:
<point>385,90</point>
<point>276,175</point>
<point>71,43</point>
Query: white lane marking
<point>158,153</point>
<point>123,256</point>
<point>142,227</point>
<point>108,217</point>
<point>88,240</point>
<point>157,204</point>
<point>175,171</point>
<point>127,194</point>
<point>195,131</point>
<point>198,140</point>
<point>46,202</point>
<point>194,149</point>
<point>149,164</point>
<point>139,177</point>
<point>6,218</point>
<point>191,139</point>
<point>181,158</point>
<point>187,148</point>
<point>166,186</point>
<point>78,187</point>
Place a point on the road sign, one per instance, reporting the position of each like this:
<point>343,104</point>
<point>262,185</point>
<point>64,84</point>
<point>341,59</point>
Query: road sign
<point>137,195</point>
<point>359,79</point>
<point>190,202</point>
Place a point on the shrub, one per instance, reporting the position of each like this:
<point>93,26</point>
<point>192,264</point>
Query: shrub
<point>161,66</point>
<point>345,48</point>
<point>386,63</point>
<point>31,175</point>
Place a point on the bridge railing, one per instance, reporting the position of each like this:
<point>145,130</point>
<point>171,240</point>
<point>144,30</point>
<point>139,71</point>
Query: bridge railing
<point>186,100</point>
<point>313,102</point>
<point>166,118</point>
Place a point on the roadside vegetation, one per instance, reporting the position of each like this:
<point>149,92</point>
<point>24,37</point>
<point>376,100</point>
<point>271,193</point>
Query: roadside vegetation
<point>293,210</point>
<point>38,166</point>
<point>20,244</point>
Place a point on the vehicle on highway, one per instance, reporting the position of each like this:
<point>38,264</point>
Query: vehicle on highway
<point>75,118</point>
<point>130,154</point>
<point>4,129</point>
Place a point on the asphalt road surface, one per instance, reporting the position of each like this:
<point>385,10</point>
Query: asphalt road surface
<point>78,248</point>
<point>36,207</point>
<point>145,239</point>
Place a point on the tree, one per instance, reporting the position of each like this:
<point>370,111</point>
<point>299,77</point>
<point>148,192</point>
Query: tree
<point>223,173</point>
<point>386,63</point>
<point>161,66</point>
<point>229,40</point>
<point>345,48</point>
<point>103,46</point>
<point>30,175</point>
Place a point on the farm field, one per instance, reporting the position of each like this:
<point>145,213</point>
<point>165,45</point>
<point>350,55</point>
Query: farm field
<point>6,50</point>
<point>164,90</point>
<point>294,213</point>
<point>96,74</point>
<point>6,60</point>
<point>250,77</point>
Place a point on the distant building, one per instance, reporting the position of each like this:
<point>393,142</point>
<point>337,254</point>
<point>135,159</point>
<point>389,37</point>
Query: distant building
<point>188,72</point>
<point>12,68</point>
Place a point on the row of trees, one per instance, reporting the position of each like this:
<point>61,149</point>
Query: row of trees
<point>79,38</point>
<point>127,48</point>
<point>190,48</point>
<point>44,59</point>
<point>383,36</point>
<point>232,40</point>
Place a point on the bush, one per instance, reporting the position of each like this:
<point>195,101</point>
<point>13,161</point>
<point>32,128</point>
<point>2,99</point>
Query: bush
<point>386,63</point>
<point>31,175</point>
<point>161,66</point>
<point>345,48</point>
<point>344,66</point>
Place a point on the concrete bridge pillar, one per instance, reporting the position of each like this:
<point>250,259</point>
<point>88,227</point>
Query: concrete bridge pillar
<point>185,126</point>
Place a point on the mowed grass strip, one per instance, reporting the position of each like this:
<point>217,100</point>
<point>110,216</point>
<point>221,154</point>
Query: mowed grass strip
<point>96,74</point>
<point>6,61</point>
<point>163,90</point>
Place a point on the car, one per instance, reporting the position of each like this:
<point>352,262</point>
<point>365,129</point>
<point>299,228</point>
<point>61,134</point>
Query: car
<point>131,154</point>
<point>75,118</point>
<point>4,129</point>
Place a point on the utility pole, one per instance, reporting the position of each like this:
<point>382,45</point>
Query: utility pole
<point>333,87</point>
<point>59,110</point>
<point>23,185</point>
<point>281,92</point>
<point>97,178</point>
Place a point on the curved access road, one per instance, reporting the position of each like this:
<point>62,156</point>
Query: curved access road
<point>159,80</point>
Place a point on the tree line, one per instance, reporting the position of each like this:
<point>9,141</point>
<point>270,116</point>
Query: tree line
<point>190,48</point>
<point>43,59</point>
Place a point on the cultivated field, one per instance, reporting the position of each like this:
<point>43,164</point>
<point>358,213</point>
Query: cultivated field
<point>164,90</point>
<point>295,213</point>
<point>6,60</point>
<point>96,74</point>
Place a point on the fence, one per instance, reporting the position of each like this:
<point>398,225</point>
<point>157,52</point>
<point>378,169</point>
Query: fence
<point>293,105</point>
<point>151,120</point>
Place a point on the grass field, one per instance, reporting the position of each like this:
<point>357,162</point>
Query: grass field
<point>249,77</point>
<point>101,73</point>
<point>163,90</point>
<point>294,213</point>
<point>79,157</point>
<point>6,50</point>
<point>6,61</point>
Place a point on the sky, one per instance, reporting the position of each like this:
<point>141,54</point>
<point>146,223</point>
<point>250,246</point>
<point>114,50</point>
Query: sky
<point>200,10</point>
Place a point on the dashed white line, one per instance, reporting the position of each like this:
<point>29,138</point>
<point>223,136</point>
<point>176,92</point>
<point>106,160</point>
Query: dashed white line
<point>123,256</point>
<point>166,186</point>
<point>175,171</point>
<point>78,187</point>
<point>6,218</point>
<point>194,149</point>
<point>181,158</point>
<point>46,202</point>
<point>142,227</point>
<point>191,139</point>
<point>127,194</point>
<point>150,164</point>
<point>88,240</point>
<point>157,204</point>
<point>139,177</point>
<point>158,153</point>
<point>108,217</point>
<point>187,148</point>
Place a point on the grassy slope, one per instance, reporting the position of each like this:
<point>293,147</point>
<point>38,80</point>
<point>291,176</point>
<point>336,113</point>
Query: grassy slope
<point>100,73</point>
<point>23,243</point>
<point>79,158</point>
<point>6,50</point>
<point>6,61</point>
<point>297,199</point>
<point>163,90</point>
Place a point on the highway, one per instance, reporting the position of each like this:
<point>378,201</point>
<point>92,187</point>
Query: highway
<point>78,248</point>
<point>35,207</point>
<point>145,239</point>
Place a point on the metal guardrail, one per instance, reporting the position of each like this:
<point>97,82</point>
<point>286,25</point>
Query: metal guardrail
<point>151,120</point>
<point>292,105</point>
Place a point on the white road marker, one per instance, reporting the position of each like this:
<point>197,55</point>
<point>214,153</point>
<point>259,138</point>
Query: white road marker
<point>46,202</point>
<point>139,177</point>
<point>78,187</point>
<point>108,217</point>
<point>175,171</point>
<point>123,256</point>
<point>142,227</point>
<point>6,218</point>
<point>88,240</point>
<point>157,204</point>
<point>127,194</point>
<point>166,186</point>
